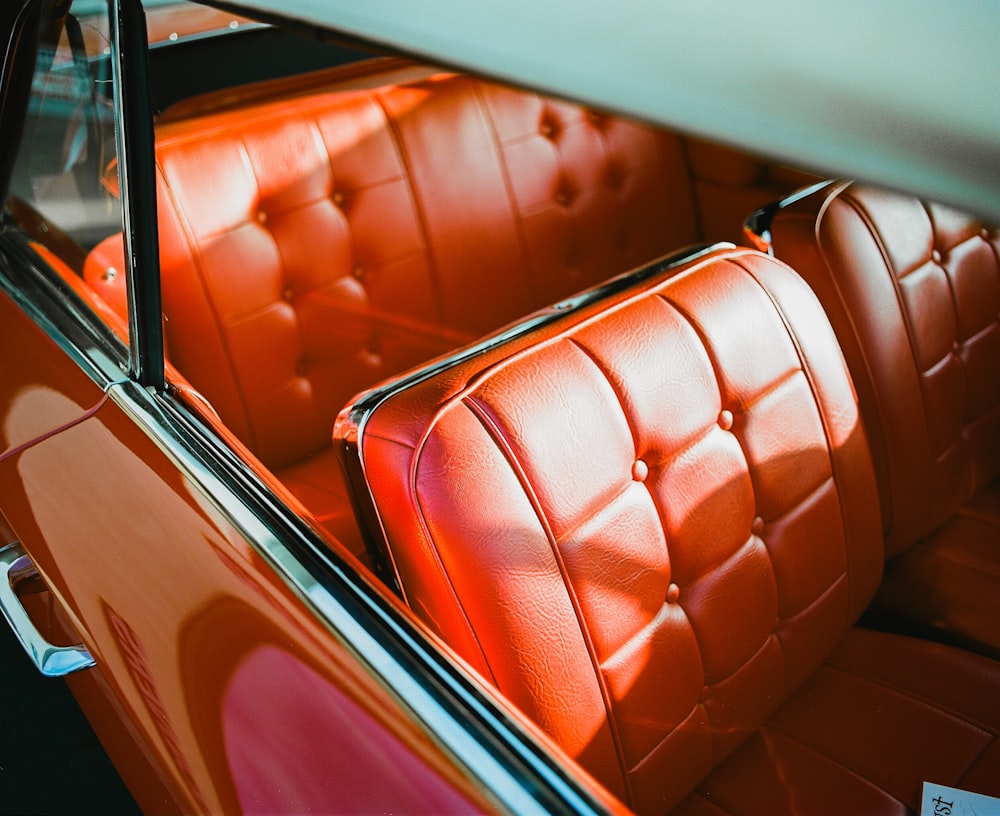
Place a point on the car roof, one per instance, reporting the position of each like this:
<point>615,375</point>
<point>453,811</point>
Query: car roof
<point>901,94</point>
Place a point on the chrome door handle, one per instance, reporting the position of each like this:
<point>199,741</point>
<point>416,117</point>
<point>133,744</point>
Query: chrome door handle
<point>49,659</point>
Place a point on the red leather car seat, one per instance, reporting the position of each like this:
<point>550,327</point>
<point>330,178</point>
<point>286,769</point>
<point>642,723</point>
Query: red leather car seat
<point>320,233</point>
<point>913,292</point>
<point>652,524</point>
<point>317,240</point>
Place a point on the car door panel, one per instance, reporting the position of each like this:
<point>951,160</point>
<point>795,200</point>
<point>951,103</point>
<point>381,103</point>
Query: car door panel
<point>186,620</point>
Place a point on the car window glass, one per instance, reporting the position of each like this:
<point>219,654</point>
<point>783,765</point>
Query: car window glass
<point>64,185</point>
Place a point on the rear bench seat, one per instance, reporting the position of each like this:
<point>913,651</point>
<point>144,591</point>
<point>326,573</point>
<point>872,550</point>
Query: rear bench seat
<point>665,528</point>
<point>320,234</point>
<point>913,292</point>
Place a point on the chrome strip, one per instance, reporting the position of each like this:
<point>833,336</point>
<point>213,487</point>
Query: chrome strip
<point>350,424</point>
<point>468,723</point>
<point>134,138</point>
<point>758,223</point>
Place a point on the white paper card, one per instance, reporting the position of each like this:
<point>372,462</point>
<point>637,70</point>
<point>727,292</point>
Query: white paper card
<point>940,800</point>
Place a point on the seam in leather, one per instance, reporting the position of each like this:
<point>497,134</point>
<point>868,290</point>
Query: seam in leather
<point>894,279</point>
<point>194,248</point>
<point>586,519</point>
<point>980,515</point>
<point>709,802</point>
<point>282,271</point>
<point>888,513</point>
<point>807,747</point>
<point>914,696</point>
<point>498,148</point>
<point>961,557</point>
<point>433,267</point>
<point>769,390</point>
<point>500,440</point>
<point>590,355</point>
<point>421,519</point>
<point>832,458</point>
<point>917,699</point>
<point>712,762</point>
<point>822,597</point>
<point>771,635</point>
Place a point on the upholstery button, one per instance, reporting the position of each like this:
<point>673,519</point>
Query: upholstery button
<point>595,118</point>
<point>261,217</point>
<point>640,470</point>
<point>726,420</point>
<point>358,272</point>
<point>673,593</point>
<point>984,234</point>
<point>547,130</point>
<point>936,256</point>
<point>109,274</point>
<point>757,527</point>
<point>563,197</point>
<point>288,294</point>
<point>302,368</point>
<point>956,349</point>
<point>338,198</point>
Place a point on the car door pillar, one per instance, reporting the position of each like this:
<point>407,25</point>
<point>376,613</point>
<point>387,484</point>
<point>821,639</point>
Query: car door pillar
<point>137,181</point>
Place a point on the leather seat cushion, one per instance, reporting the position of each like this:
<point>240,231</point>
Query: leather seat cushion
<point>949,581</point>
<point>883,715</point>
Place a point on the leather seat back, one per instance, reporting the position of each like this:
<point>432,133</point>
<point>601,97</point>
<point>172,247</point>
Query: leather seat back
<point>646,522</point>
<point>913,291</point>
<point>317,242</point>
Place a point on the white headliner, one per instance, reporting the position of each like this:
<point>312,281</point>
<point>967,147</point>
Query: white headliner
<point>903,93</point>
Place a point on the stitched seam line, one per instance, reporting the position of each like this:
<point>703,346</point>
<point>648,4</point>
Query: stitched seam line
<point>433,268</point>
<point>416,454</point>
<point>515,212</point>
<point>194,247</point>
<point>500,440</point>
<point>915,697</point>
<point>805,746</point>
<point>821,412</point>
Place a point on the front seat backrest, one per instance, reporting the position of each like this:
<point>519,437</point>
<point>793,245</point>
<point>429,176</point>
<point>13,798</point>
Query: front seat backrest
<point>647,523</point>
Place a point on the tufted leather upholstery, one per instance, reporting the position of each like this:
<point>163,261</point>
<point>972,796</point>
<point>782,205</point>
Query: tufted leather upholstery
<point>649,524</point>
<point>322,233</point>
<point>913,291</point>
<point>342,244</point>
